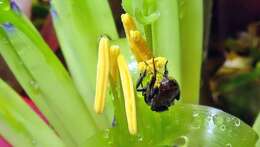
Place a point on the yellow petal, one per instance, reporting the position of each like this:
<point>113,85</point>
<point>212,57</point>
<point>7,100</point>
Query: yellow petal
<point>128,24</point>
<point>102,74</point>
<point>138,44</point>
<point>114,52</point>
<point>129,96</point>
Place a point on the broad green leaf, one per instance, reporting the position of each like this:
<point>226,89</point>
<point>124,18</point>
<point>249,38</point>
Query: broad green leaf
<point>184,125</point>
<point>20,125</point>
<point>44,78</point>
<point>257,129</point>
<point>79,24</point>
<point>191,38</point>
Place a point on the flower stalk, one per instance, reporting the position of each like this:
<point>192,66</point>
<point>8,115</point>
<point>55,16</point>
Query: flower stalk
<point>111,61</point>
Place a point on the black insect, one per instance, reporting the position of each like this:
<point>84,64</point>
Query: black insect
<point>162,97</point>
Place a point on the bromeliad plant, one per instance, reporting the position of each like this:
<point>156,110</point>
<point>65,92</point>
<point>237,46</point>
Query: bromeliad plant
<point>173,30</point>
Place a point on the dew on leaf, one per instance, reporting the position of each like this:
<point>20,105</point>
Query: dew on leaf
<point>222,127</point>
<point>209,117</point>
<point>181,141</point>
<point>140,138</point>
<point>107,133</point>
<point>34,85</point>
<point>195,114</point>
<point>196,121</point>
<point>110,142</point>
<point>237,122</point>
<point>218,120</point>
<point>228,145</point>
<point>228,119</point>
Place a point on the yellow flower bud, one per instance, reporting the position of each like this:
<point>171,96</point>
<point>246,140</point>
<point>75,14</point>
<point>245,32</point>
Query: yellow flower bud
<point>138,44</point>
<point>102,74</point>
<point>129,96</point>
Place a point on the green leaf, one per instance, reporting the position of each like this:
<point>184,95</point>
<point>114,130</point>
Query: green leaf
<point>79,24</point>
<point>20,125</point>
<point>257,129</point>
<point>184,125</point>
<point>44,78</point>
<point>191,38</point>
<point>166,36</point>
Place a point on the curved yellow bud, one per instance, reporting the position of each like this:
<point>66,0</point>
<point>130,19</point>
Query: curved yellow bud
<point>114,52</point>
<point>102,74</point>
<point>128,24</point>
<point>129,96</point>
<point>138,44</point>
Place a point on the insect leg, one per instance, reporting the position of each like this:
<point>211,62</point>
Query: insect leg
<point>141,89</point>
<point>154,68</point>
<point>140,80</point>
<point>165,69</point>
<point>152,95</point>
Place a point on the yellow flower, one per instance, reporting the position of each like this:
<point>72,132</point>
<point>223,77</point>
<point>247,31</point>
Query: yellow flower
<point>111,63</point>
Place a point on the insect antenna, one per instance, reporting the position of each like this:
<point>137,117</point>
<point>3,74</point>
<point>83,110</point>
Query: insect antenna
<point>165,69</point>
<point>154,68</point>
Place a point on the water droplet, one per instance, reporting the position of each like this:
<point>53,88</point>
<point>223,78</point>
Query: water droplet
<point>4,5</point>
<point>34,85</point>
<point>237,122</point>
<point>228,145</point>
<point>228,119</point>
<point>195,114</point>
<point>20,51</point>
<point>133,66</point>
<point>222,127</point>
<point>140,138</point>
<point>218,120</point>
<point>181,141</point>
<point>110,142</point>
<point>209,117</point>
<point>196,121</point>
<point>195,125</point>
<point>107,133</point>
<point>32,82</point>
